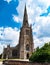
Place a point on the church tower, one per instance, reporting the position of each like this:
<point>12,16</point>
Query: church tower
<point>25,47</point>
<point>26,38</point>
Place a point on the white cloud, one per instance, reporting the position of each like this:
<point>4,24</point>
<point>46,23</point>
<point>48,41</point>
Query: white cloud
<point>42,30</point>
<point>37,42</point>
<point>8,1</point>
<point>43,23</point>
<point>2,46</point>
<point>46,39</point>
<point>40,42</point>
<point>8,36</point>
<point>16,18</point>
<point>46,2</point>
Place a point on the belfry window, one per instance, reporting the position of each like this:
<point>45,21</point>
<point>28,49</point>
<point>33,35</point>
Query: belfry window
<point>27,47</point>
<point>27,32</point>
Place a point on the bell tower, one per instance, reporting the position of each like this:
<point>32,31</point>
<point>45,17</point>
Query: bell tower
<point>26,38</point>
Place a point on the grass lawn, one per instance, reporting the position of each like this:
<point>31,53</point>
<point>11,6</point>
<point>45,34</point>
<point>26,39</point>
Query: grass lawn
<point>1,60</point>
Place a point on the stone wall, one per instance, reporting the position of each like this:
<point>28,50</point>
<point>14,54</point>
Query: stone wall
<point>14,62</point>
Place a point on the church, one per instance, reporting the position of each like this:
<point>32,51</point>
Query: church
<point>25,45</point>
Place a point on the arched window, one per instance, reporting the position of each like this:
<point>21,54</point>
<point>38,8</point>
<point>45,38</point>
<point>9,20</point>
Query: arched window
<point>27,47</point>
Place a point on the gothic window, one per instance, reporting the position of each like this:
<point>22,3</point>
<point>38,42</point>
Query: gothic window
<point>27,32</point>
<point>27,47</point>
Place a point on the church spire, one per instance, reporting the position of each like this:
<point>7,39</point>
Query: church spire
<point>25,19</point>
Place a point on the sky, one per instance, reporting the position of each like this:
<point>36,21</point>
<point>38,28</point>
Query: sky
<point>11,19</point>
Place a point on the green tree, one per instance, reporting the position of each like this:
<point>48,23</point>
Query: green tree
<point>42,54</point>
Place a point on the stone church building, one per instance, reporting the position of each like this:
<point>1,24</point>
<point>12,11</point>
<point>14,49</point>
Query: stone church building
<point>25,46</point>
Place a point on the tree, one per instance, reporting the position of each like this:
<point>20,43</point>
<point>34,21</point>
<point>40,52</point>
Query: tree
<point>42,54</point>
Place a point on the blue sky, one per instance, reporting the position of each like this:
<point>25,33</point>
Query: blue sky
<point>6,13</point>
<point>11,19</point>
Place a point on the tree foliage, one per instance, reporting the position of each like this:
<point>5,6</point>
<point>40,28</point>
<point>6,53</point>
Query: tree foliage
<point>41,54</point>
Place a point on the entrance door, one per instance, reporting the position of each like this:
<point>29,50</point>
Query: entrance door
<point>27,55</point>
